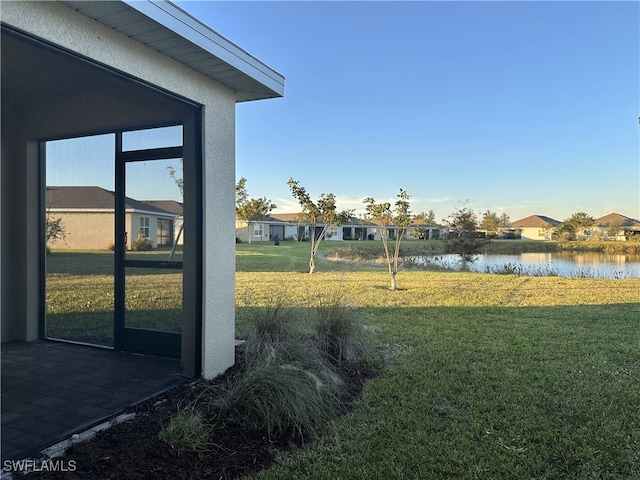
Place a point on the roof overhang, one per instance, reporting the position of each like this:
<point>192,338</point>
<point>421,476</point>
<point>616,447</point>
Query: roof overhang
<point>166,28</point>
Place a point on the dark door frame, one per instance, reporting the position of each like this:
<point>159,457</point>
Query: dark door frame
<point>136,340</point>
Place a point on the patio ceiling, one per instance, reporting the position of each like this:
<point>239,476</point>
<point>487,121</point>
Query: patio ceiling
<point>48,93</point>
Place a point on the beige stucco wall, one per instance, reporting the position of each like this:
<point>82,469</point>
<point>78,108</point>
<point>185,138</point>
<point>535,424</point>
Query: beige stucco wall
<point>94,231</point>
<point>65,27</point>
<point>534,233</point>
<point>84,231</point>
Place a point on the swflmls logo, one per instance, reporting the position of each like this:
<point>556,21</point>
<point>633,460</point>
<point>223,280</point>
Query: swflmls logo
<point>30,465</point>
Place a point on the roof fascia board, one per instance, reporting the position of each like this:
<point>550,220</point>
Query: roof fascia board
<point>183,24</point>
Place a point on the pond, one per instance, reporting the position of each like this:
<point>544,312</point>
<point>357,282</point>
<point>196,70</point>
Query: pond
<point>561,264</point>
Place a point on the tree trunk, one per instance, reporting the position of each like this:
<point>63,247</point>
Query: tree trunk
<point>312,263</point>
<point>249,232</point>
<point>394,285</point>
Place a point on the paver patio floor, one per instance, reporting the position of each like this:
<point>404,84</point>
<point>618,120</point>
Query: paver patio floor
<point>51,390</point>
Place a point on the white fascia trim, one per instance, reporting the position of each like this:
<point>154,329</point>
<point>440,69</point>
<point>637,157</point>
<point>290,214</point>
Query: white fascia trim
<point>191,29</point>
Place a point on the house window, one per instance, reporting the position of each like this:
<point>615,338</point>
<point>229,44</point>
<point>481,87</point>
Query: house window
<point>144,226</point>
<point>332,231</point>
<point>257,230</point>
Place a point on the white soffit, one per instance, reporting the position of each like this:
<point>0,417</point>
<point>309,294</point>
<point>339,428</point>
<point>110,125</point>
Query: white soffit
<point>168,29</point>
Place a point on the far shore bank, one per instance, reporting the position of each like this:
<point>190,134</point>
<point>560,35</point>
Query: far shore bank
<point>371,249</point>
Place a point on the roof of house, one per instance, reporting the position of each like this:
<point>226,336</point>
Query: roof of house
<point>617,218</point>
<point>94,199</point>
<point>166,28</point>
<point>169,205</point>
<point>535,221</point>
<point>286,217</point>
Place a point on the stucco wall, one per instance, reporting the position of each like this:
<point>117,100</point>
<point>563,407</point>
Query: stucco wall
<point>84,231</point>
<point>534,233</point>
<point>63,26</point>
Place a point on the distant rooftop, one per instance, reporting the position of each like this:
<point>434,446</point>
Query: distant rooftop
<point>540,221</point>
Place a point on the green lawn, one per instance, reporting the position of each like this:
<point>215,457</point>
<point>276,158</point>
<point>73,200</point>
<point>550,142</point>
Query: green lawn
<point>489,376</point>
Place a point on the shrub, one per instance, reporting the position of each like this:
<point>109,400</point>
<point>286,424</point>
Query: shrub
<point>142,243</point>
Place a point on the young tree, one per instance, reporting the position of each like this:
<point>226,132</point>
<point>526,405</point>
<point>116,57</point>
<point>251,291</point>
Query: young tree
<point>613,228</point>
<point>577,223</point>
<point>463,238</point>
<point>387,218</point>
<point>250,209</point>
<point>429,219</point>
<point>54,230</point>
<point>490,221</point>
<point>323,211</point>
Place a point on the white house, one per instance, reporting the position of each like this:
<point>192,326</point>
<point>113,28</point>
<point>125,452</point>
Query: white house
<point>536,227</point>
<point>72,69</point>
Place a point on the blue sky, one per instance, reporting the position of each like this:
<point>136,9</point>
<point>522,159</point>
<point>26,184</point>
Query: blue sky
<point>519,107</point>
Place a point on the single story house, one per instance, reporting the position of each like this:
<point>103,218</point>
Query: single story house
<point>266,228</point>
<point>291,226</point>
<point>87,215</point>
<point>536,227</point>
<point>617,227</point>
<point>72,69</point>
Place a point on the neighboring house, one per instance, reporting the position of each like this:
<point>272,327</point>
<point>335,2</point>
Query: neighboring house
<point>74,68</point>
<point>291,226</point>
<point>626,227</point>
<point>536,227</point>
<point>266,229</point>
<point>173,232</point>
<point>356,229</point>
<point>87,215</point>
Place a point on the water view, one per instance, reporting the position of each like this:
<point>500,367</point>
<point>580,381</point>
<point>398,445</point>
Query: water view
<point>561,264</point>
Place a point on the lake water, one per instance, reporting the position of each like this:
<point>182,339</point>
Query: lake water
<point>562,264</point>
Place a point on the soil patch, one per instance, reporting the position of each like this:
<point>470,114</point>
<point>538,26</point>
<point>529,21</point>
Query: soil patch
<point>135,450</point>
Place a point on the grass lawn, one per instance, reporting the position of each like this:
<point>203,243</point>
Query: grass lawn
<point>491,377</point>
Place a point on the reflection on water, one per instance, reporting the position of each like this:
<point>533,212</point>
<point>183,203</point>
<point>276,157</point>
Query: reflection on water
<point>563,264</point>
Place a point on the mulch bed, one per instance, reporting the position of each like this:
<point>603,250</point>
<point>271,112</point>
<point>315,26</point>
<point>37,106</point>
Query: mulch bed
<point>134,449</point>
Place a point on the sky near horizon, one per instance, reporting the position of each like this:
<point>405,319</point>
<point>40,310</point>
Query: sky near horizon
<point>518,107</point>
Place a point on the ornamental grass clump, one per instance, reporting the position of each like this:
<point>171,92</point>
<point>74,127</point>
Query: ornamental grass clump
<point>342,336</point>
<point>288,385</point>
<point>340,332</point>
<point>187,431</point>
<point>285,397</point>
